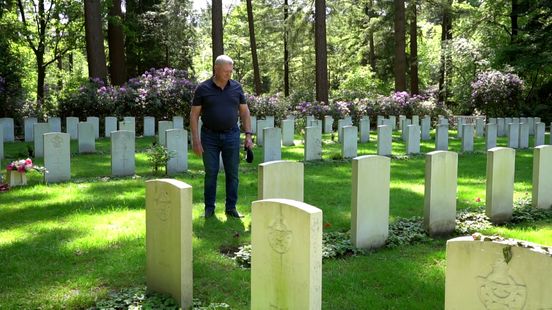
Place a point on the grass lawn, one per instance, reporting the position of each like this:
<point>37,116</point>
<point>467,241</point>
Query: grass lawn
<point>67,245</point>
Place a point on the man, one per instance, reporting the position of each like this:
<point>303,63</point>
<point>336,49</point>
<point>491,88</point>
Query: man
<point>219,100</point>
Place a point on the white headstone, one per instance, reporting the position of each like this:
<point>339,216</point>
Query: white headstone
<point>262,124</point>
<point>441,169</point>
<point>523,136</point>
<point>130,119</point>
<point>340,124</point>
<point>513,135</point>
<point>72,127</point>
<point>531,122</point>
<point>280,179</point>
<point>149,126</point>
<point>444,121</point>
<point>123,148</point>
<point>413,139</point>
<point>349,144</point>
<point>501,274</point>
<point>272,145</point>
<point>57,157</point>
<point>501,127</point>
<point>492,120</point>
<point>8,128</point>
<point>28,124</point>
<point>177,142</point>
<point>1,143</point>
<point>370,201</point>
<point>393,121</point>
<point>55,124</point>
<point>39,129</point>
<point>385,141</point>
<point>270,120</point>
<point>87,142</point>
<point>426,127</point>
<point>406,123</point>
<point>401,120</point>
<point>379,120</point>
<point>95,121</point>
<point>313,143</point>
<point>500,184</point>
<point>127,126</point>
<point>415,120</point>
<point>288,130</point>
<point>467,138</point>
<point>490,136</point>
<point>169,267</point>
<point>286,255</point>
<point>163,126</point>
<point>253,120</point>
<point>542,176</point>
<point>459,122</point>
<point>110,126</point>
<point>441,138</point>
<point>479,126</point>
<point>364,127</point>
<point>539,134</point>
<point>328,124</point>
<point>178,122</point>
<point>308,120</point>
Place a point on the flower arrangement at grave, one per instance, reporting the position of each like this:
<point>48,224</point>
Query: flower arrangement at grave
<point>17,171</point>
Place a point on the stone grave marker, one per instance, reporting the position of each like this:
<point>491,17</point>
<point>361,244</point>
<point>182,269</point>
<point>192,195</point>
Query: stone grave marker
<point>123,147</point>
<point>272,145</point>
<point>313,143</point>
<point>177,142</point>
<point>87,142</point>
<point>542,177</point>
<point>286,255</point>
<point>280,179</point>
<point>500,184</point>
<point>441,170</point>
<point>57,157</point>
<point>169,267</point>
<point>370,201</point>
<point>349,145</point>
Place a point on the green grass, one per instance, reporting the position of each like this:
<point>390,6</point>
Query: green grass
<point>66,245</point>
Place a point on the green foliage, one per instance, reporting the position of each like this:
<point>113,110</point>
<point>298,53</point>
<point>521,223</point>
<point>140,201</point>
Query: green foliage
<point>469,222</point>
<point>243,256</point>
<point>338,244</point>
<point>158,156</point>
<point>497,93</point>
<point>406,231</point>
<point>524,212</point>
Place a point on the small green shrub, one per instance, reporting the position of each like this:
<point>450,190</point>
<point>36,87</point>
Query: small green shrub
<point>158,156</point>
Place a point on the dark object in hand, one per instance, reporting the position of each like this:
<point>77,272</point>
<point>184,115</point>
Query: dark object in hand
<point>248,155</point>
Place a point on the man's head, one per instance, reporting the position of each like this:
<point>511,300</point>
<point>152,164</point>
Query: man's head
<point>223,68</point>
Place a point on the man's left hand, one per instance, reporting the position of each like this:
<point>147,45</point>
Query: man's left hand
<point>248,143</point>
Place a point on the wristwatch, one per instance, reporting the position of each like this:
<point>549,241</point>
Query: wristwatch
<point>248,133</point>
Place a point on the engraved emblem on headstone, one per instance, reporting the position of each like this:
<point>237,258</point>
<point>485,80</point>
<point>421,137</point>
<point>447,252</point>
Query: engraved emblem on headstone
<point>279,236</point>
<point>499,290</point>
<point>57,141</point>
<point>162,202</point>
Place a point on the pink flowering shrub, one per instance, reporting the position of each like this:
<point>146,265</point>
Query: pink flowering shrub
<point>496,93</point>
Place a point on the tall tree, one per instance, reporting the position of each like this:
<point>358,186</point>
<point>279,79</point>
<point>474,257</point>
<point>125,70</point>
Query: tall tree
<point>95,52</point>
<point>321,51</point>
<point>217,29</point>
<point>286,48</point>
<point>399,66</point>
<point>253,44</point>
<point>445,71</point>
<point>115,39</point>
<point>39,20</point>
<point>414,81</point>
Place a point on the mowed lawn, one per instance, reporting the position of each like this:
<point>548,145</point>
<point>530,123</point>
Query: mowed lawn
<point>67,245</point>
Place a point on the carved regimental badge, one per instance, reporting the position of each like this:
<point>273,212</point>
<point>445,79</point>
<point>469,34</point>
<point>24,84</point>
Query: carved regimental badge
<point>56,142</point>
<point>162,202</point>
<point>499,290</point>
<point>279,236</point>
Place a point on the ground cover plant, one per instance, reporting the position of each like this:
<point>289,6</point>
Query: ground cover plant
<point>75,244</point>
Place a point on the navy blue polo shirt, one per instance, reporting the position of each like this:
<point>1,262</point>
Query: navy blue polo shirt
<point>219,107</point>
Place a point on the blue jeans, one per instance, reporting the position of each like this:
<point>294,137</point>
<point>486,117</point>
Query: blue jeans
<point>227,144</point>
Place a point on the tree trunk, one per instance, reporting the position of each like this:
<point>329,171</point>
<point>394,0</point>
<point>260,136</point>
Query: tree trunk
<point>414,81</point>
<point>445,71</point>
<point>60,72</point>
<point>514,20</point>
<point>41,77</point>
<point>321,51</point>
<point>217,30</point>
<point>399,67</point>
<point>253,43</point>
<point>286,47</point>
<point>116,42</point>
<point>95,52</point>
<point>71,61</point>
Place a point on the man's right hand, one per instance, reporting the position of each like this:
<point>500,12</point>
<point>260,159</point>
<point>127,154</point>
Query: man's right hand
<point>198,149</point>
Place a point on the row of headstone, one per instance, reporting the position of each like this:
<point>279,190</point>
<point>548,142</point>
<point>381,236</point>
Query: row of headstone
<point>371,181</point>
<point>286,243</point>
<point>111,123</point>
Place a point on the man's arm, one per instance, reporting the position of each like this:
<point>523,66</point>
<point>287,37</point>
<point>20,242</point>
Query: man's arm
<point>194,119</point>
<point>246,124</point>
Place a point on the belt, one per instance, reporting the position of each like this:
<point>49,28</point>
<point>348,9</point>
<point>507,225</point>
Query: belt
<point>216,131</point>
